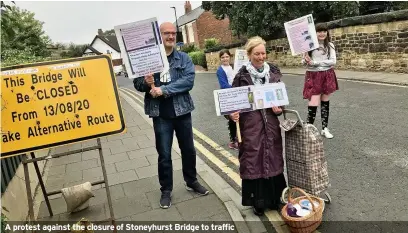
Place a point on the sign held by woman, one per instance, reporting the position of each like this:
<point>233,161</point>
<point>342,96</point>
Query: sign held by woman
<point>250,98</point>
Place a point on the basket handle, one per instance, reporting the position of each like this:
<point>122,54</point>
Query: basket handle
<point>304,193</point>
<point>285,111</point>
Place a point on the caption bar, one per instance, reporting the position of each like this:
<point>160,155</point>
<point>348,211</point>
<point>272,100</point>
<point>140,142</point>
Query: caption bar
<point>224,227</point>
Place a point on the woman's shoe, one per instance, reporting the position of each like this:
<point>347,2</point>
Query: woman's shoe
<point>233,145</point>
<point>258,211</point>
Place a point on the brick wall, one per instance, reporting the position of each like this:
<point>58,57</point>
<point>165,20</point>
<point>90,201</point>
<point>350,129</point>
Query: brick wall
<point>209,27</point>
<point>381,46</point>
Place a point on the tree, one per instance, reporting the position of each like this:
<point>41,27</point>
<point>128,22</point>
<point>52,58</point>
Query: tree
<point>60,45</point>
<point>267,18</point>
<point>109,32</point>
<point>20,31</point>
<point>74,51</point>
<point>6,27</point>
<point>5,6</point>
<point>403,5</point>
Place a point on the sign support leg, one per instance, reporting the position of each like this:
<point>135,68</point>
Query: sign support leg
<point>37,170</point>
<point>28,187</point>
<point>105,178</point>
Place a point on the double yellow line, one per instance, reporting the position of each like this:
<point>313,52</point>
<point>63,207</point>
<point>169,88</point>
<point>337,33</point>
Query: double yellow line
<point>272,215</point>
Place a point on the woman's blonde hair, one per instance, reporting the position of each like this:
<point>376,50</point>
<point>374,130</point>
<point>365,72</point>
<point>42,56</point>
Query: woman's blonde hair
<point>253,42</point>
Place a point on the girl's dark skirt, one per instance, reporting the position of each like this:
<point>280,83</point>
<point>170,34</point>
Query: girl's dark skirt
<point>263,193</point>
<point>320,82</point>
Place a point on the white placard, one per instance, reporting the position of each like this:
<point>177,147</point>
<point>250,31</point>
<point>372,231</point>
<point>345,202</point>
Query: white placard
<point>142,48</point>
<point>301,34</point>
<point>231,100</point>
<point>240,59</point>
<point>270,95</point>
<point>250,98</point>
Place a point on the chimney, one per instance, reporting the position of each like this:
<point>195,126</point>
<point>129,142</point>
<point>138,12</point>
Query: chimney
<point>100,32</point>
<point>187,7</point>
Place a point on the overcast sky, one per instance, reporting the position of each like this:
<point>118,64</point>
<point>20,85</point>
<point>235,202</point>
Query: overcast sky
<point>78,21</point>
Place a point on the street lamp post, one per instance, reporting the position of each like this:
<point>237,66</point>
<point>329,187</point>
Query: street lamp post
<point>179,37</point>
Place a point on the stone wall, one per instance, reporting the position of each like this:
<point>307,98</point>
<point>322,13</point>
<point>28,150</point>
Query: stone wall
<point>361,44</point>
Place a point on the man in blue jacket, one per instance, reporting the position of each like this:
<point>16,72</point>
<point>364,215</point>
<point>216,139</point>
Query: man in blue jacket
<point>170,105</point>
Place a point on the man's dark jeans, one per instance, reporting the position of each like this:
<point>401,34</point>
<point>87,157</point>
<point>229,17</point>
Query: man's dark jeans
<point>164,129</point>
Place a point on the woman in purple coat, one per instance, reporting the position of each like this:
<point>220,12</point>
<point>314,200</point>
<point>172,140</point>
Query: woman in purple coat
<point>261,150</point>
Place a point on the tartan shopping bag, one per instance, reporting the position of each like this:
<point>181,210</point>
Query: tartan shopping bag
<point>306,164</point>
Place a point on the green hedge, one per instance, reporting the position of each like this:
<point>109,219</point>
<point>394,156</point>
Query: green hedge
<point>211,43</point>
<point>188,48</point>
<point>13,57</point>
<point>198,58</point>
<point>221,47</point>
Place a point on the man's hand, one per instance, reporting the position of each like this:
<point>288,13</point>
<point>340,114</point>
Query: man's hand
<point>149,79</point>
<point>234,116</point>
<point>277,110</point>
<point>156,91</point>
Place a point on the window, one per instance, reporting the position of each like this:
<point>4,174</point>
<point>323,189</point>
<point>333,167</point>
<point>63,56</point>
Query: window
<point>190,32</point>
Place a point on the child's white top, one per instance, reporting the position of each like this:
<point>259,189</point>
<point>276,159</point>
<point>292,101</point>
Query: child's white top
<point>229,72</point>
<point>320,61</point>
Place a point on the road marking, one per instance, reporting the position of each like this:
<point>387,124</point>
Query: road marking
<point>225,168</point>
<point>217,147</point>
<point>124,90</point>
<point>272,215</point>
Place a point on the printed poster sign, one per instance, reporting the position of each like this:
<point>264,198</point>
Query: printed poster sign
<point>270,95</point>
<point>59,102</point>
<point>240,59</point>
<point>250,98</point>
<point>301,34</point>
<point>142,48</point>
<point>230,100</point>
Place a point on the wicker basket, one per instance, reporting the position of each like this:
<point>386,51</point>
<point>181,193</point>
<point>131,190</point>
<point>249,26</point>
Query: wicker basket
<point>306,224</point>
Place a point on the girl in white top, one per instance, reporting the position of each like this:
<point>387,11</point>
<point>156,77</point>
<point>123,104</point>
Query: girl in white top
<point>320,78</point>
<point>225,75</point>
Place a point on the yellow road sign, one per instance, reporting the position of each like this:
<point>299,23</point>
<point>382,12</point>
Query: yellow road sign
<point>59,102</point>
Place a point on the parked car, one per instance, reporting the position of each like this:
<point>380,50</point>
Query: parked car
<point>118,70</point>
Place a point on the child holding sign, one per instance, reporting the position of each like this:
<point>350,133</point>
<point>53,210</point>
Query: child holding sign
<point>225,74</point>
<point>320,80</point>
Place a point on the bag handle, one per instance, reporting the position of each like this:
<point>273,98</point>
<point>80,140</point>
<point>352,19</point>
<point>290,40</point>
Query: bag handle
<point>302,192</point>
<point>294,112</point>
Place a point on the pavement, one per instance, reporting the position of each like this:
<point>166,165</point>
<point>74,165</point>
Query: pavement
<point>131,165</point>
<point>376,77</point>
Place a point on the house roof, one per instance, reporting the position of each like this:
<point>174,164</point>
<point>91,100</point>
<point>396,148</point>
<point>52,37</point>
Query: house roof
<point>111,41</point>
<point>92,49</point>
<point>191,16</point>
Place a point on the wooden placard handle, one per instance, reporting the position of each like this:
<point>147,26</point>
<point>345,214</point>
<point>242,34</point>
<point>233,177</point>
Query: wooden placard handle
<point>238,132</point>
